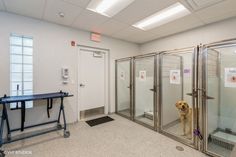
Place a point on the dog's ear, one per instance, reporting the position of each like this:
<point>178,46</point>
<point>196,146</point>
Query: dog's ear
<point>186,104</point>
<point>177,103</point>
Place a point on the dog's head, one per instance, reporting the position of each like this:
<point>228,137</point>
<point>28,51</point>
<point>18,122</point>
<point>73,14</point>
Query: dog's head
<point>182,105</point>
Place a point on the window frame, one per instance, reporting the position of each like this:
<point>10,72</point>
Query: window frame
<point>22,72</point>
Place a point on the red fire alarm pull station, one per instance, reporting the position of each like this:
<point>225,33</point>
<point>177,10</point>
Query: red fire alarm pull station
<point>95,37</point>
<point>72,43</point>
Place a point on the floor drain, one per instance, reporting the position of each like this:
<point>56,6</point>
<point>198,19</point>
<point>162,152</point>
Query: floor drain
<point>179,148</point>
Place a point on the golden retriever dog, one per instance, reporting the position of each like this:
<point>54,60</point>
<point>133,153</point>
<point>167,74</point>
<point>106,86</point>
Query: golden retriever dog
<point>185,113</point>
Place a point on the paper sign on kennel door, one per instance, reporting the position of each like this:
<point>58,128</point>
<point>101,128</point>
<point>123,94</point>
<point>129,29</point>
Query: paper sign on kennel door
<point>187,72</point>
<point>230,77</point>
<point>142,75</point>
<point>122,75</point>
<point>175,77</point>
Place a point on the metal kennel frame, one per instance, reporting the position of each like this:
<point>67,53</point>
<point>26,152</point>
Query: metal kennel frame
<point>199,91</point>
<point>130,59</point>
<point>155,90</point>
<point>204,90</point>
<point>194,51</point>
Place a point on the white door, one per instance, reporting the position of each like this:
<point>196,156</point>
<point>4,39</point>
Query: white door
<point>92,79</point>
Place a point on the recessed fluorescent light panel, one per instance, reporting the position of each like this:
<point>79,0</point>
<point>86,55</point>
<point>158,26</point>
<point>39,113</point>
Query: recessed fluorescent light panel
<point>108,7</point>
<point>162,17</point>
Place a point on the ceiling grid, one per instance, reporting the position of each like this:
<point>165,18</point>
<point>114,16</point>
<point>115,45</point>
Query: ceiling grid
<point>120,25</point>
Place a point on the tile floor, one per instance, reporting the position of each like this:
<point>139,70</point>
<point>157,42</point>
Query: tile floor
<point>119,138</point>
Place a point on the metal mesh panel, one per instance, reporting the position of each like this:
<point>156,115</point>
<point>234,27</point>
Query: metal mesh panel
<point>170,63</point>
<point>212,63</point>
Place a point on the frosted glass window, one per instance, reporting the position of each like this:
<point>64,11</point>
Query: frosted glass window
<point>28,86</point>
<point>28,77</point>
<point>28,68</point>
<point>28,92</point>
<point>16,92</point>
<point>16,40</point>
<point>16,58</point>
<point>27,60</point>
<point>15,85</point>
<point>16,49</point>
<point>28,50</point>
<point>21,67</point>
<point>16,77</point>
<point>16,68</point>
<point>28,42</point>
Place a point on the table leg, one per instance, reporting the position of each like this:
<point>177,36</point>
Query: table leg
<point>2,127</point>
<point>48,108</point>
<point>66,133</point>
<point>7,121</point>
<point>22,115</point>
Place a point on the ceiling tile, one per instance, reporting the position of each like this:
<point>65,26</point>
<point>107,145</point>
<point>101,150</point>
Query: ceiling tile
<point>140,9</point>
<point>110,27</point>
<point>135,35</point>
<point>199,4</point>
<point>180,25</point>
<point>32,8</point>
<point>54,7</point>
<point>81,3</point>
<point>119,26</point>
<point>126,32</point>
<point>2,5</point>
<point>89,21</point>
<point>220,11</point>
<point>141,37</point>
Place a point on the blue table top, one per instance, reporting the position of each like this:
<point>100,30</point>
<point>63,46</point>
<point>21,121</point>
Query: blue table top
<point>12,99</point>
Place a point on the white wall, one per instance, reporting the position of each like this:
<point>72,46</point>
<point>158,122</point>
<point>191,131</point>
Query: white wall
<point>52,51</point>
<point>206,34</point>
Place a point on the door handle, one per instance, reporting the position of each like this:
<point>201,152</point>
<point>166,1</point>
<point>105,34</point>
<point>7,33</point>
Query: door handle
<point>194,94</point>
<point>190,94</point>
<point>204,94</point>
<point>81,85</point>
<point>209,97</point>
<point>153,90</point>
<point>129,87</point>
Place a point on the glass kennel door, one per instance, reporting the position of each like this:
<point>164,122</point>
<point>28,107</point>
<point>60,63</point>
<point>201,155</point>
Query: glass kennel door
<point>145,90</point>
<point>177,102</point>
<point>124,87</point>
<point>219,99</point>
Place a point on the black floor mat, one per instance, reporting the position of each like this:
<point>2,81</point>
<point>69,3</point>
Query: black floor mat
<point>98,121</point>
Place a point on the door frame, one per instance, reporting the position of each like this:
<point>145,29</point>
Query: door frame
<point>155,99</point>
<point>130,59</point>
<point>194,50</point>
<point>107,107</point>
<point>203,87</point>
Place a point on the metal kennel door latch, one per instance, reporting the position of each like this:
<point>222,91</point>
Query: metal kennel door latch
<point>129,86</point>
<point>193,94</point>
<point>82,85</point>
<point>204,94</point>
<point>153,89</point>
